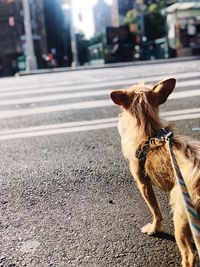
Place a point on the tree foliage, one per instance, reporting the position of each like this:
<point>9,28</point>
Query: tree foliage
<point>154,22</point>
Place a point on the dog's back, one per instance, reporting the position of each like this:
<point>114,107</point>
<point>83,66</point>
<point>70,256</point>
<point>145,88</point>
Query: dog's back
<point>139,122</point>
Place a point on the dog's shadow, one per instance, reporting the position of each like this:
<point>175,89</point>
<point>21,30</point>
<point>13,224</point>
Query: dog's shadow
<point>163,235</point>
<point>166,236</point>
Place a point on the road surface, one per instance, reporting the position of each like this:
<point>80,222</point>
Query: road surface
<point>67,197</point>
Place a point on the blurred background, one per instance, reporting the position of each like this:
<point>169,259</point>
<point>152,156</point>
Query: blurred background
<point>42,34</point>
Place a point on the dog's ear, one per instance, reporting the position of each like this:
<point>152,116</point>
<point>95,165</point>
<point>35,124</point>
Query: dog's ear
<point>121,98</point>
<point>160,92</point>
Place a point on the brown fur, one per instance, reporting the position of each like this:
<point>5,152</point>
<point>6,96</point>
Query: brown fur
<point>138,122</point>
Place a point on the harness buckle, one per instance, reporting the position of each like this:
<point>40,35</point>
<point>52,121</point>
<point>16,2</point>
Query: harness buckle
<point>162,137</point>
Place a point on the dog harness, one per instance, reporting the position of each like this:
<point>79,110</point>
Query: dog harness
<point>165,137</point>
<point>153,142</point>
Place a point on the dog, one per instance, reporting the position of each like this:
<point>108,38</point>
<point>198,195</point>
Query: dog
<point>140,121</point>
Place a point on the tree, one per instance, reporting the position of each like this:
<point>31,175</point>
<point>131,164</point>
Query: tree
<point>132,17</point>
<point>154,22</point>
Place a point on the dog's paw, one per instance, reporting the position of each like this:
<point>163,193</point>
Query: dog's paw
<point>149,229</point>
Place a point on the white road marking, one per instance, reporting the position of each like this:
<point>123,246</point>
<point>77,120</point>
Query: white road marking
<point>78,91</point>
<point>184,94</point>
<point>53,97</point>
<point>119,83</point>
<point>75,106</point>
<point>55,108</point>
<point>183,117</point>
<point>59,131</point>
<point>180,112</point>
<point>58,126</point>
<point>71,84</point>
<point>82,126</point>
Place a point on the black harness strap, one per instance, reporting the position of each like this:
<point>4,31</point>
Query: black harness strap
<point>158,140</point>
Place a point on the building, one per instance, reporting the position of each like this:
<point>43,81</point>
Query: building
<point>121,7</point>
<point>102,16</point>
<point>57,24</point>
<point>10,32</point>
<point>38,31</point>
<point>119,11</point>
<point>183,23</point>
<point>125,6</point>
<point>67,37</point>
<point>12,37</point>
<point>50,31</point>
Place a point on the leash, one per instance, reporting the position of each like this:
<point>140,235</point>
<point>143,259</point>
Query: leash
<point>165,137</point>
<point>193,216</point>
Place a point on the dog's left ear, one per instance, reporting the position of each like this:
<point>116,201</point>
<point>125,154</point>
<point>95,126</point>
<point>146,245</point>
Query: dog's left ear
<point>160,92</point>
<point>121,98</point>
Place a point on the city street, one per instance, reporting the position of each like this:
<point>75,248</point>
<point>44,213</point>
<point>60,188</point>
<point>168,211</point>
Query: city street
<point>67,197</point>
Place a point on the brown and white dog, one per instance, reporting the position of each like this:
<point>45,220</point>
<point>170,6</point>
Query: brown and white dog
<point>140,121</point>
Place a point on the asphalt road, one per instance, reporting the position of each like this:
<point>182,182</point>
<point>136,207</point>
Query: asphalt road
<point>66,194</point>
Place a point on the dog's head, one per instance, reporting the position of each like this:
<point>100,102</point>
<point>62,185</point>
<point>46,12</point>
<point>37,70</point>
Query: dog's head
<point>142,101</point>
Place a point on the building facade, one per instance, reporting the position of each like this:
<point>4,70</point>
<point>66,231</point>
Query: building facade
<point>57,25</point>
<point>12,37</point>
<point>50,31</point>
<point>102,16</point>
<point>11,31</point>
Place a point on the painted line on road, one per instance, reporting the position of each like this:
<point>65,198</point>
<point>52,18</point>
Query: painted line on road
<point>55,108</point>
<point>70,85</point>
<point>77,106</point>
<point>53,97</point>
<point>180,112</point>
<point>59,126</point>
<point>103,85</point>
<point>59,131</point>
<point>77,127</point>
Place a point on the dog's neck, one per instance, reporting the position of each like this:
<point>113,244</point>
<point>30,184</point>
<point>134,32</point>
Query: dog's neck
<point>142,129</point>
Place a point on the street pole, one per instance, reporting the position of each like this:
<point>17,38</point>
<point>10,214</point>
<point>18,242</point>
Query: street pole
<point>31,62</point>
<point>142,21</point>
<point>73,38</point>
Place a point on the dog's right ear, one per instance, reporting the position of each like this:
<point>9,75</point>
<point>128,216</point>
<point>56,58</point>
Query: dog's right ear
<point>160,92</point>
<point>121,98</point>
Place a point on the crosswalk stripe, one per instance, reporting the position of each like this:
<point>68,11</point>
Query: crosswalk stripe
<point>103,85</point>
<point>184,117</point>
<point>73,84</point>
<point>59,131</point>
<point>55,108</point>
<point>185,94</point>
<point>173,115</point>
<point>58,126</point>
<point>63,90</point>
<point>180,112</point>
<point>78,127</point>
<point>71,106</point>
<point>53,97</point>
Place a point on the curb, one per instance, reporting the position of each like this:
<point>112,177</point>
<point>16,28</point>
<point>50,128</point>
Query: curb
<point>115,65</point>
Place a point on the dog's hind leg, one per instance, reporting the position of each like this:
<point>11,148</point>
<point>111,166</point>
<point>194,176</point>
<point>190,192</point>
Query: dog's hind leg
<point>183,234</point>
<point>147,192</point>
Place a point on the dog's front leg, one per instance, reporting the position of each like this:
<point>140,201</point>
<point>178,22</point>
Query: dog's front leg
<point>145,187</point>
